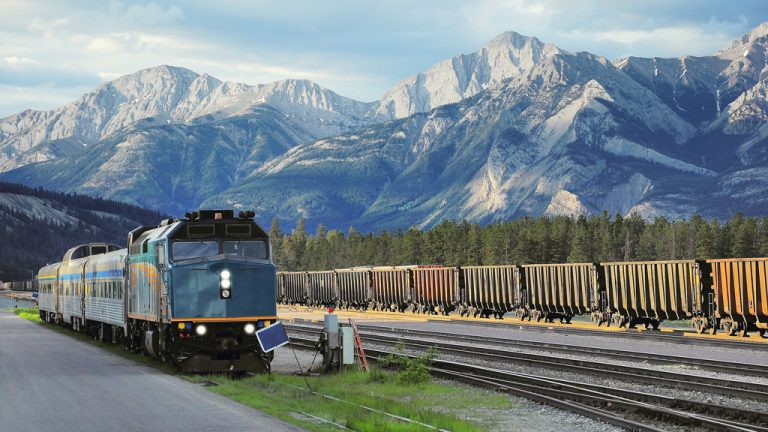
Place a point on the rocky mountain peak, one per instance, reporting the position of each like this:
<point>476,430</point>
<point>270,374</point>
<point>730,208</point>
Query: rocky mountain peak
<point>507,55</point>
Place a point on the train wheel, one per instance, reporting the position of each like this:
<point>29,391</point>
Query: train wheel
<point>713,330</point>
<point>732,329</point>
<point>699,325</point>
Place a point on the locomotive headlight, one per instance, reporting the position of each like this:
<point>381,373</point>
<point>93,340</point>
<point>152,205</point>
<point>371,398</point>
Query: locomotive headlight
<point>225,274</point>
<point>249,328</point>
<point>225,293</point>
<point>201,330</point>
<point>226,283</point>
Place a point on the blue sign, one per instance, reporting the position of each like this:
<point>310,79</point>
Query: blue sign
<point>272,337</point>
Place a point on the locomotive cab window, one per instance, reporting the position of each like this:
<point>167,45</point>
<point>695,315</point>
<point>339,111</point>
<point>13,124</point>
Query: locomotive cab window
<point>96,250</point>
<point>182,250</point>
<point>246,248</point>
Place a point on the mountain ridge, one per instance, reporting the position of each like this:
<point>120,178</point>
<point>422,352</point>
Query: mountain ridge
<point>517,127</point>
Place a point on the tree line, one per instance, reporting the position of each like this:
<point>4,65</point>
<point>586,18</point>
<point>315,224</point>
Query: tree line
<point>560,239</point>
<point>30,240</point>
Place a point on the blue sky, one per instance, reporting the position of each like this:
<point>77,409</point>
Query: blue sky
<point>53,51</point>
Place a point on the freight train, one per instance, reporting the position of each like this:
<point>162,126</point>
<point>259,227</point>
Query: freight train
<point>192,292</point>
<point>721,294</point>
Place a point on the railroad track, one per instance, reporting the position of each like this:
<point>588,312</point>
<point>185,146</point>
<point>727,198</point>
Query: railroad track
<point>661,359</point>
<point>626,409</point>
<point>679,336</point>
<point>741,389</point>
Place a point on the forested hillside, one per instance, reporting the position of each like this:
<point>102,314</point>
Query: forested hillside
<point>525,240</point>
<point>38,226</point>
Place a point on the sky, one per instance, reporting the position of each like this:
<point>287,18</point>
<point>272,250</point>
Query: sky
<point>53,51</point>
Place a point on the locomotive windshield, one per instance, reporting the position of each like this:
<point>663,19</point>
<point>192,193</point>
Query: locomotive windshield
<point>182,250</point>
<point>242,239</point>
<point>194,249</point>
<point>246,248</point>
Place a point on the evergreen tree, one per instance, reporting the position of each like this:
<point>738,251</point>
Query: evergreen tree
<point>745,244</point>
<point>276,238</point>
<point>764,237</point>
<point>475,245</point>
<point>583,245</point>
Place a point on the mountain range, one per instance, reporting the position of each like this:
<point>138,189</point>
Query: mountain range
<point>519,127</point>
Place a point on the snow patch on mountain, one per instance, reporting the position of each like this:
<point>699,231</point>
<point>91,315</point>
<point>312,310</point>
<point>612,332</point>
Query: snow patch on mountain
<point>623,147</point>
<point>623,197</point>
<point>565,203</point>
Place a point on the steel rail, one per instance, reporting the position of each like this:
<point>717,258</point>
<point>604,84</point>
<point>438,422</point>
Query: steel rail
<point>678,336</point>
<point>712,365</point>
<point>571,397</point>
<point>630,373</point>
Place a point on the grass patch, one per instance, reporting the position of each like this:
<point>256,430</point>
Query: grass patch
<point>411,370</point>
<point>286,397</point>
<point>29,313</point>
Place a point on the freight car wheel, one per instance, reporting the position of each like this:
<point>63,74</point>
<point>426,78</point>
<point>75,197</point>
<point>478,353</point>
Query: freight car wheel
<point>699,325</point>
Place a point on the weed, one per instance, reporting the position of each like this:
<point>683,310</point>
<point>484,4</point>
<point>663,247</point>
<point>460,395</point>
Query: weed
<point>412,370</point>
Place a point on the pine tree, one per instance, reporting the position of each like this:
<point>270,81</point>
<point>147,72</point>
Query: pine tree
<point>764,237</point>
<point>745,243</point>
<point>582,245</point>
<point>276,238</point>
<point>474,246</point>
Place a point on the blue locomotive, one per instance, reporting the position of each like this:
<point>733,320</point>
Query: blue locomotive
<point>192,292</point>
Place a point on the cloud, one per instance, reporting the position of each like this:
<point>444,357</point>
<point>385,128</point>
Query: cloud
<point>22,71</point>
<point>358,48</point>
<point>40,97</point>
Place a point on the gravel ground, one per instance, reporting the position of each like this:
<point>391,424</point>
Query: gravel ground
<point>606,340</point>
<point>673,368</point>
<point>525,415</point>
<point>528,416</point>
<point>285,362</point>
<point>606,382</point>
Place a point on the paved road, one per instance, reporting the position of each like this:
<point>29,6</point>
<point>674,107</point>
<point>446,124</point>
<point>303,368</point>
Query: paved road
<point>51,382</point>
